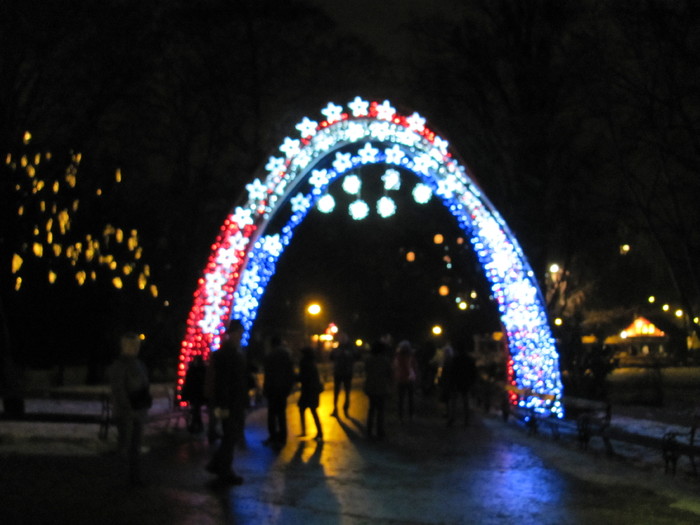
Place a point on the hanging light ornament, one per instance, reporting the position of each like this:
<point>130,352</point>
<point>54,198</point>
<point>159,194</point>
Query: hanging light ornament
<point>352,184</point>
<point>358,210</point>
<point>391,180</point>
<point>422,193</point>
<point>326,204</point>
<point>386,207</point>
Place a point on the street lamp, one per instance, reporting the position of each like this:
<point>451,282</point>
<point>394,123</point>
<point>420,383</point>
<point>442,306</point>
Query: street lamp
<point>313,309</point>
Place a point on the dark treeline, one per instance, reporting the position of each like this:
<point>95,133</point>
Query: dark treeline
<point>578,119</point>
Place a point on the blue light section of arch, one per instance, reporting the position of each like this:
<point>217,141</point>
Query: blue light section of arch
<point>513,291</point>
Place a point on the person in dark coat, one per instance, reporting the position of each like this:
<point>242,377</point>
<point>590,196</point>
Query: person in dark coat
<point>193,393</point>
<point>229,398</point>
<point>278,383</point>
<point>343,357</point>
<point>131,399</point>
<point>461,376</point>
<point>405,373</point>
<point>377,384</point>
<point>311,388</point>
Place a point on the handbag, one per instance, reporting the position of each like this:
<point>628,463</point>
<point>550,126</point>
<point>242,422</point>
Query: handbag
<point>140,399</point>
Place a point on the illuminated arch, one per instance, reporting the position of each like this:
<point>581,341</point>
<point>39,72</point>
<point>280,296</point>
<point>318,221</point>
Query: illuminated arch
<point>244,256</point>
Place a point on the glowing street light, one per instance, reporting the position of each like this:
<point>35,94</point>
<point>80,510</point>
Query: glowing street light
<point>437,329</point>
<point>314,309</point>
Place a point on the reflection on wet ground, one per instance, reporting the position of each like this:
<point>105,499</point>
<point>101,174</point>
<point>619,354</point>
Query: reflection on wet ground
<point>422,473</point>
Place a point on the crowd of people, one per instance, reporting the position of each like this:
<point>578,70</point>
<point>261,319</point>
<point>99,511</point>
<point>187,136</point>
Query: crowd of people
<point>222,387</point>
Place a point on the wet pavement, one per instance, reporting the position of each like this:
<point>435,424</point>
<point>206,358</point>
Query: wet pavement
<point>423,473</point>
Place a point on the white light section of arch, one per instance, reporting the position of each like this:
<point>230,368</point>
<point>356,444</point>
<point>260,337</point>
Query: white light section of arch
<point>243,257</point>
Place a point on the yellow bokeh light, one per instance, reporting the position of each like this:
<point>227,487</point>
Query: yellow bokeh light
<point>16,263</point>
<point>38,249</point>
<point>154,290</point>
<point>117,282</point>
<point>444,290</point>
<point>437,329</point>
<point>26,137</point>
<point>18,284</point>
<point>52,276</point>
<point>118,175</point>
<point>410,256</point>
<point>143,281</point>
<point>438,238</point>
<point>80,277</point>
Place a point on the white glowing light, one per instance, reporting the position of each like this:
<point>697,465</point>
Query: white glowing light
<point>359,107</point>
<point>257,191</point>
<point>242,216</point>
<point>326,204</point>
<point>416,122</point>
<point>394,155</point>
<point>358,210</point>
<point>368,154</point>
<point>342,162</point>
<point>422,193</point>
<point>386,207</point>
<point>352,184</point>
<point>391,180</point>
<point>290,147</point>
<point>385,111</point>
<point>299,203</point>
<point>332,112</point>
<point>307,127</point>
<point>275,164</point>
<point>319,178</point>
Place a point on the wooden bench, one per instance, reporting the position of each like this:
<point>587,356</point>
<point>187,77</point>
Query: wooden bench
<point>592,419</point>
<point>528,416</point>
<point>99,393</point>
<point>675,444</point>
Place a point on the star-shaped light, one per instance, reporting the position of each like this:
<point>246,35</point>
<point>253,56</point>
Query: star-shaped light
<point>307,127</point>
<point>359,107</point>
<point>242,217</point>
<point>318,178</point>
<point>416,122</point>
<point>342,162</point>
<point>299,203</point>
<point>394,155</point>
<point>368,154</point>
<point>422,163</point>
<point>332,112</point>
<point>275,164</point>
<point>385,111</point>
<point>272,245</point>
<point>257,191</point>
<point>290,147</point>
<point>355,131</point>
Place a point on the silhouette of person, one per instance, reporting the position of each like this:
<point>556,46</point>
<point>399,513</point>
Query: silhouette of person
<point>377,381</point>
<point>229,399</point>
<point>405,374</point>
<point>343,357</point>
<point>193,393</point>
<point>461,376</point>
<point>311,388</point>
<point>130,386</point>
<point>278,383</point>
